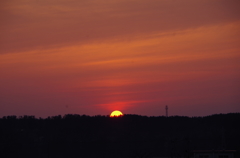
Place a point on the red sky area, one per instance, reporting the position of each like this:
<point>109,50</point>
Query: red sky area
<point>93,57</point>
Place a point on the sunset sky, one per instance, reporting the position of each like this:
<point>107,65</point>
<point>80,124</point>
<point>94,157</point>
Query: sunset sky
<point>137,56</point>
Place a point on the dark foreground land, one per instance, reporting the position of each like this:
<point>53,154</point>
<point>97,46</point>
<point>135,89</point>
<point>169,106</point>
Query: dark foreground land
<point>127,136</point>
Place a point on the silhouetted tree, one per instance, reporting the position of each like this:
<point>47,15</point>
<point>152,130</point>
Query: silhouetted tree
<point>75,135</point>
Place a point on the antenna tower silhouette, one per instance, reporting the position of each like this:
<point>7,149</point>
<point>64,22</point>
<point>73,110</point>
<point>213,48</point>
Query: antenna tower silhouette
<point>166,110</point>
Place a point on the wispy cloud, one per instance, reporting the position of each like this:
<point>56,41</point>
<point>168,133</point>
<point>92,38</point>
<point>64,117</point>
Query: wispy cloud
<point>40,24</point>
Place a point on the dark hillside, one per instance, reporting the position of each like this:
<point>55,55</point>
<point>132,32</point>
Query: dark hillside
<point>127,136</point>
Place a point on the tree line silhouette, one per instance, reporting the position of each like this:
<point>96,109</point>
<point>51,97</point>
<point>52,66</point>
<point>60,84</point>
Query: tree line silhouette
<point>127,136</point>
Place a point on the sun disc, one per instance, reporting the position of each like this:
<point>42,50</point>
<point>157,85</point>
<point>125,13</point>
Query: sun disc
<point>116,113</point>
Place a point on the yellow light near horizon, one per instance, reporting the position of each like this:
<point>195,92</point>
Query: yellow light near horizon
<point>116,113</point>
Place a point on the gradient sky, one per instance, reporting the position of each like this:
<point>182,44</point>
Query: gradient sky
<point>95,56</point>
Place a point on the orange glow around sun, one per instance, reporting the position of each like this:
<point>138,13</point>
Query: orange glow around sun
<point>116,113</point>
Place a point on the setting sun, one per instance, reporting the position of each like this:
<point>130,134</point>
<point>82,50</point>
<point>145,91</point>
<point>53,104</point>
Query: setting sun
<point>116,113</point>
